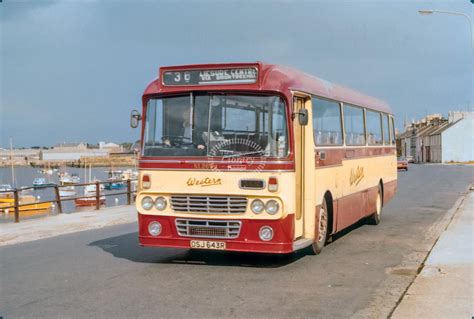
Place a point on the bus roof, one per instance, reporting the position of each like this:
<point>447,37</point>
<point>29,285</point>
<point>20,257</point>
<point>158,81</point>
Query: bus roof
<point>270,78</point>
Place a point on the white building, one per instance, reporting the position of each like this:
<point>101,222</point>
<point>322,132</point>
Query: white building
<point>454,141</point>
<point>435,139</point>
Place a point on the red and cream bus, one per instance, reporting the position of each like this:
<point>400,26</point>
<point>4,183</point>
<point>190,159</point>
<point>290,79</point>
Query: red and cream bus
<point>258,157</point>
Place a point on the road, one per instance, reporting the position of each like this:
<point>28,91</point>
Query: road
<point>105,273</point>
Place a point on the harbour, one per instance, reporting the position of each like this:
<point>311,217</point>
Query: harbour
<point>112,194</point>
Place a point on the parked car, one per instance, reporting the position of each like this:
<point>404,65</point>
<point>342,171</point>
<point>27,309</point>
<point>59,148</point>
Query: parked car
<point>410,159</point>
<point>402,163</point>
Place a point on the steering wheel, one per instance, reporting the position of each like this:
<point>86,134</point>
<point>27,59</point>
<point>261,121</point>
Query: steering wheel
<point>175,139</point>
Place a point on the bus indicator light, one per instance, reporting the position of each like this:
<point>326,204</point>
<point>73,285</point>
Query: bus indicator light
<point>146,182</point>
<point>273,184</point>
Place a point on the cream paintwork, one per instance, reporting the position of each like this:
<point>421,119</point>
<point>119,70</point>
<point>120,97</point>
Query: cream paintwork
<point>335,179</point>
<point>315,183</point>
<point>175,182</point>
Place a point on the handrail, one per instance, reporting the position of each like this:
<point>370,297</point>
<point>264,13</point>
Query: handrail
<point>59,199</point>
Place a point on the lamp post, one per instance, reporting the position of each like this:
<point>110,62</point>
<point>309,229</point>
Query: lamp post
<point>429,12</point>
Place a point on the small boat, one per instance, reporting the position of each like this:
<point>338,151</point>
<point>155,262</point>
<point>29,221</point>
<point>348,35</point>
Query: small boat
<point>66,179</point>
<point>90,191</point>
<point>129,174</point>
<point>31,209</point>
<point>114,176</point>
<point>5,187</point>
<point>41,182</point>
<point>67,191</point>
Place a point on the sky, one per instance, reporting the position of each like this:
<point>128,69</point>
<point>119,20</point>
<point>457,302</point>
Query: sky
<point>72,70</point>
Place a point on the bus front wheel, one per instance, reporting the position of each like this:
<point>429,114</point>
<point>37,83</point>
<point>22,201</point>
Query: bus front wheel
<point>374,219</point>
<point>322,229</point>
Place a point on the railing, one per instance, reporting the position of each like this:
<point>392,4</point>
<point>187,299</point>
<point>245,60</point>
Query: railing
<point>59,199</point>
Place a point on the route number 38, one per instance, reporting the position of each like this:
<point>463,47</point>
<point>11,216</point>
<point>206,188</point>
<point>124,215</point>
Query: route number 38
<point>186,76</point>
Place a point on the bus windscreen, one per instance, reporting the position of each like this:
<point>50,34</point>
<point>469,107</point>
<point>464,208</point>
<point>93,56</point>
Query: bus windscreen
<point>227,126</point>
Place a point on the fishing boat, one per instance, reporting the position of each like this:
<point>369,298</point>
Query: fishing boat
<point>5,187</point>
<point>65,179</point>
<point>67,191</point>
<point>66,183</point>
<point>42,182</point>
<point>113,177</point>
<point>90,200</point>
<point>30,206</point>
<point>129,174</point>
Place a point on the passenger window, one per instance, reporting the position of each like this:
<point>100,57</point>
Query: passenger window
<point>386,129</point>
<point>354,125</point>
<point>327,126</point>
<point>393,130</point>
<point>374,128</point>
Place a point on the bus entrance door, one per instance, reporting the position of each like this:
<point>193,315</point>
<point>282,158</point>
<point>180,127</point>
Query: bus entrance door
<point>299,130</point>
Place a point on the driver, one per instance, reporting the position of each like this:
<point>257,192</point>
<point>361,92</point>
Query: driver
<point>187,130</point>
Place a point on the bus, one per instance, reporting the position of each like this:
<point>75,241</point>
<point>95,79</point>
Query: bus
<point>257,157</point>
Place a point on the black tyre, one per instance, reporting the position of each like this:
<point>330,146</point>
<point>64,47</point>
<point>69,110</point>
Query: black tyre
<point>322,229</point>
<point>374,219</point>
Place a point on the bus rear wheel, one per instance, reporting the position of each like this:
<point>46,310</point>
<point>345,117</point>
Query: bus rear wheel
<point>374,219</point>
<point>322,229</point>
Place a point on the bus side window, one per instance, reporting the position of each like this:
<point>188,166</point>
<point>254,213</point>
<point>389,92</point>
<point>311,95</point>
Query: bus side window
<point>386,129</point>
<point>327,124</point>
<point>393,130</point>
<point>354,125</point>
<point>374,127</point>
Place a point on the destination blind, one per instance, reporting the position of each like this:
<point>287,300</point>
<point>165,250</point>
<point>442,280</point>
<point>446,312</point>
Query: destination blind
<point>203,77</point>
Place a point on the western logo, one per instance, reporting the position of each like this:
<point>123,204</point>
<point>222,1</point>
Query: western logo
<point>203,182</point>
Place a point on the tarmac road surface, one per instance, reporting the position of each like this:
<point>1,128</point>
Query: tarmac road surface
<point>105,273</point>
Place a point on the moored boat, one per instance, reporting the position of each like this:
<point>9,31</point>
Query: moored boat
<point>29,206</point>
<point>67,191</point>
<point>91,200</point>
<point>41,182</point>
<point>5,187</point>
<point>114,176</point>
<point>66,179</point>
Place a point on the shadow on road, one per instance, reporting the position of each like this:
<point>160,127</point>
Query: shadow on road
<point>349,229</point>
<point>126,246</point>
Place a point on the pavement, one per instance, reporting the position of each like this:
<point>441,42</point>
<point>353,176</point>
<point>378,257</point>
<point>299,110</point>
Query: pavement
<point>45,227</point>
<point>445,286</point>
<point>363,273</point>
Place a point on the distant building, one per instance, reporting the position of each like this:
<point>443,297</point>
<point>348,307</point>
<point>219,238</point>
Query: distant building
<point>454,140</point>
<point>70,146</point>
<point>111,147</point>
<point>70,155</point>
<point>435,139</point>
<point>21,156</point>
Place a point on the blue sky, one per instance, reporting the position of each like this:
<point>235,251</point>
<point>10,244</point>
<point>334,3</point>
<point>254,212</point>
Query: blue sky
<point>73,70</point>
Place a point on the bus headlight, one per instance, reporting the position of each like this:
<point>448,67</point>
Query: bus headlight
<point>160,203</point>
<point>272,207</point>
<point>154,228</point>
<point>266,233</point>
<point>257,206</point>
<point>147,202</point>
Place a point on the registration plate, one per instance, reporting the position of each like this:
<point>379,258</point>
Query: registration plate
<point>205,244</point>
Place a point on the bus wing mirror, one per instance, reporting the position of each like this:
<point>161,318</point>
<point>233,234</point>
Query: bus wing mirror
<point>135,118</point>
<point>303,117</point>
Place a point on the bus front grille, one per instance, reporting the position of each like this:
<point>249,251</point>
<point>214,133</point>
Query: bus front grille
<point>209,204</point>
<point>228,229</point>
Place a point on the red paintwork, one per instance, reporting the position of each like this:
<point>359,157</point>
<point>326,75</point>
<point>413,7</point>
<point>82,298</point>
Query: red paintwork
<point>230,164</point>
<point>272,79</point>
<point>351,208</point>
<point>389,190</point>
<point>335,156</point>
<point>248,240</point>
